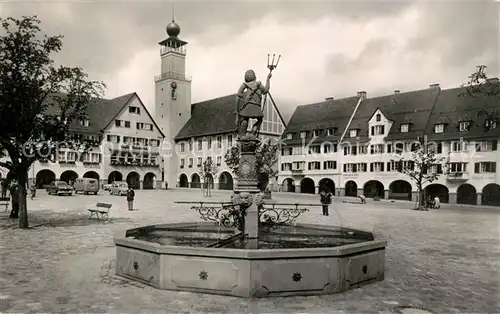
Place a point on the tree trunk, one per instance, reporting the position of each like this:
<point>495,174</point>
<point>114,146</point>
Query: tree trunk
<point>22,193</point>
<point>421,198</point>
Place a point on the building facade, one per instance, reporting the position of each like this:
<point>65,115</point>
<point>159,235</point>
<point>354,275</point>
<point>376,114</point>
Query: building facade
<point>126,147</point>
<point>195,132</point>
<point>353,146</point>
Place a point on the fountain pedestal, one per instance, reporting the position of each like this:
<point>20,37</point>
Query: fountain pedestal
<point>247,189</point>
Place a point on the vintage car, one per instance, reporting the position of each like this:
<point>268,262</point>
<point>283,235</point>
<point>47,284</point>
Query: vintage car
<point>118,188</point>
<point>106,187</point>
<point>59,188</point>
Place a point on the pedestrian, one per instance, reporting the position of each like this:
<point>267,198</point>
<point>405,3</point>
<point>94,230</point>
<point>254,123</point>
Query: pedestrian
<point>130,198</point>
<point>362,198</point>
<point>326,199</point>
<point>437,202</point>
<point>3,188</point>
<point>33,190</point>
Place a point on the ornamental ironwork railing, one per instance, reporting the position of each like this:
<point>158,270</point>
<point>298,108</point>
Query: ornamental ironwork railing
<point>272,215</point>
<point>230,215</point>
<point>225,214</point>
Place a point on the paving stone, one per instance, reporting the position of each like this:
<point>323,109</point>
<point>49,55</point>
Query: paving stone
<point>447,261</point>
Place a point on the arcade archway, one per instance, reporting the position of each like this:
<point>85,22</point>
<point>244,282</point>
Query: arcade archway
<point>149,181</point>
<point>44,177</point>
<point>491,195</point>
<point>351,189</point>
<point>183,181</point>
<point>373,188</point>
<point>400,190</point>
<point>288,185</point>
<point>327,184</point>
<point>466,194</point>
<point>438,190</point>
<point>195,181</point>
<point>225,181</point>
<point>115,176</point>
<point>133,180</point>
<point>307,186</point>
<point>69,176</point>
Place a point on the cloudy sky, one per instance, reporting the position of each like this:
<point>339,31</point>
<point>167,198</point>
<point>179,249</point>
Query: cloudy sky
<point>329,48</point>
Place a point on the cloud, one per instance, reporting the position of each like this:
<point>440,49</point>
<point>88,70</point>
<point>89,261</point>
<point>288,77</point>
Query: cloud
<point>328,48</point>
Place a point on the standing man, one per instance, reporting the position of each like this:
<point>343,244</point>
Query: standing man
<point>3,188</point>
<point>130,197</point>
<point>251,92</point>
<point>326,199</point>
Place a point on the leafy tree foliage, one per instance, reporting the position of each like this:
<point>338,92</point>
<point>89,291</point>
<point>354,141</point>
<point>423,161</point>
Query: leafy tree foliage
<point>38,100</point>
<point>420,168</point>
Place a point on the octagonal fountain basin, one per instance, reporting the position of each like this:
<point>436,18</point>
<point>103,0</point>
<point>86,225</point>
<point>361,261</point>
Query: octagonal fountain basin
<point>300,259</point>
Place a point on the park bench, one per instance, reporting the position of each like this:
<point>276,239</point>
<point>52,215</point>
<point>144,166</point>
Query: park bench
<point>101,209</point>
<point>5,201</point>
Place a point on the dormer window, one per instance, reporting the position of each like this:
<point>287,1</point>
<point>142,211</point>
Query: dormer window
<point>353,133</point>
<point>303,134</point>
<point>289,136</point>
<point>490,124</point>
<point>330,131</point>
<point>316,133</point>
<point>84,122</point>
<point>464,126</point>
<point>439,128</point>
<point>405,127</point>
<point>378,117</point>
<point>135,110</point>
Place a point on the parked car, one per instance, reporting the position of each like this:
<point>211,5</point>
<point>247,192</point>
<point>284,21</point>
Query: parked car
<point>118,188</point>
<point>86,186</point>
<point>106,187</point>
<point>58,188</point>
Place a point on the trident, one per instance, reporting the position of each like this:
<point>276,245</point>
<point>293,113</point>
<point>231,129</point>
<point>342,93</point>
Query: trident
<point>271,66</point>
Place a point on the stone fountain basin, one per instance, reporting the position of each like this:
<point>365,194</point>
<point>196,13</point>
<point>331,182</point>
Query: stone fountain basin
<point>250,272</point>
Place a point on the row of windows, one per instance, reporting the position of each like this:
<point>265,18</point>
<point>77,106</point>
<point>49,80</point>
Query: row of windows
<point>312,165</point>
<point>138,125</point>
<point>128,157</point>
<point>218,161</point>
<point>209,143</point>
<point>465,126</point>
<point>133,140</point>
<point>71,156</point>
<point>455,167</point>
<point>398,148</point>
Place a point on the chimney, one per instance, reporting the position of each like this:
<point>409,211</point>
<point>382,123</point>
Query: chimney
<point>434,85</point>
<point>329,98</point>
<point>396,91</point>
<point>362,95</point>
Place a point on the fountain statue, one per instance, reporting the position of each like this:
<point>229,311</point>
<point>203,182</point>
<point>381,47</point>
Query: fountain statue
<point>249,247</point>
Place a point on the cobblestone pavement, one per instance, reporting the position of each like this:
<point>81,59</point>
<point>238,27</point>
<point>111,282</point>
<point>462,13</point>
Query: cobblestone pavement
<point>445,261</point>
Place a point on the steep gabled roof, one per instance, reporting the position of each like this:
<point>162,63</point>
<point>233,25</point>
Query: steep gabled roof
<point>399,108</point>
<point>451,108</point>
<point>318,116</point>
<point>212,116</point>
<point>100,113</point>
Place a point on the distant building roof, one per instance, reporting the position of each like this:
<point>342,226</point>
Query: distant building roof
<point>452,108</point>
<point>101,112</point>
<point>323,115</point>
<point>410,107</point>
